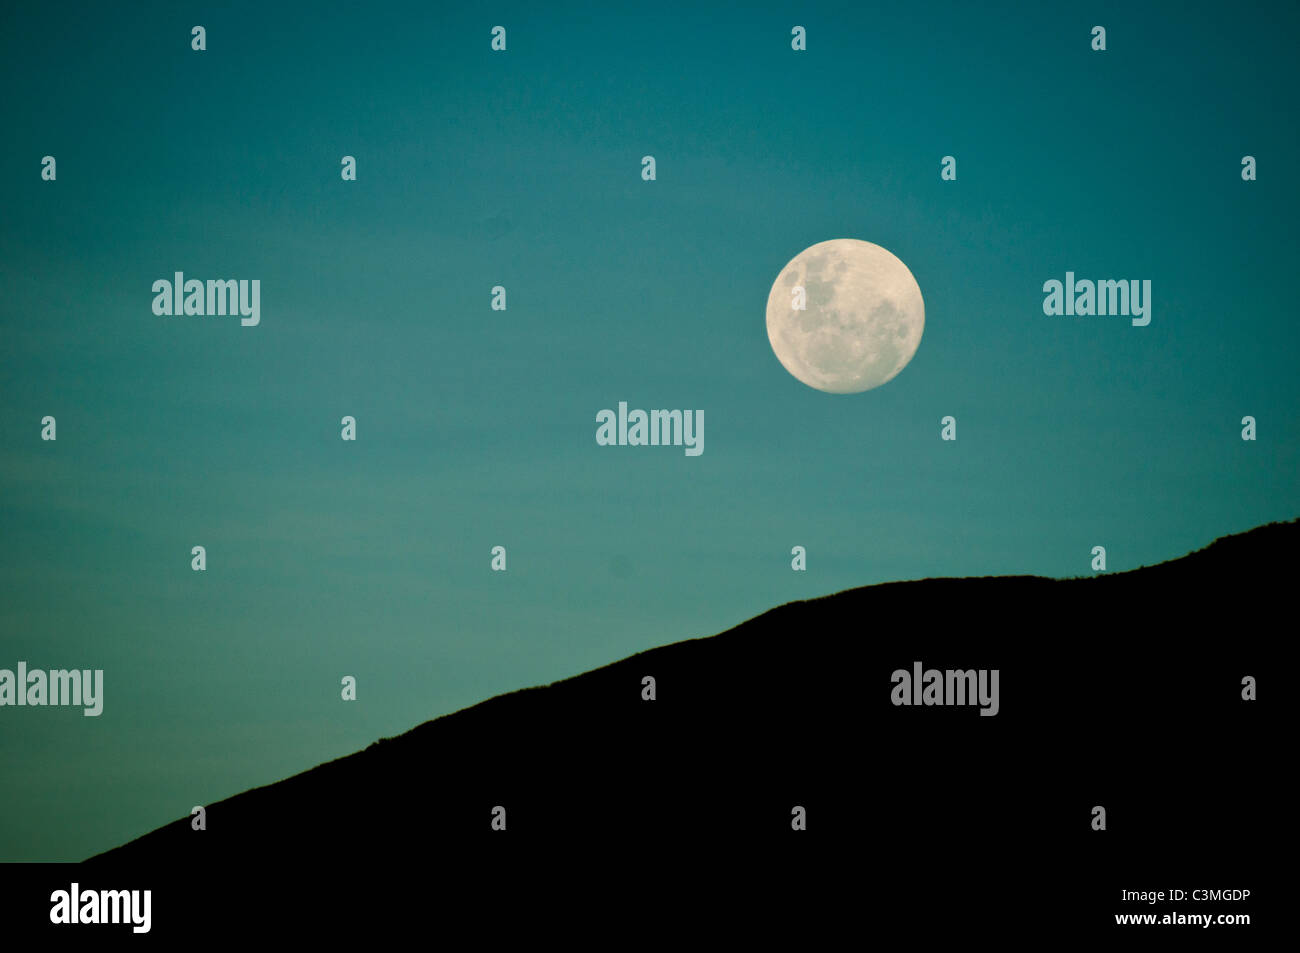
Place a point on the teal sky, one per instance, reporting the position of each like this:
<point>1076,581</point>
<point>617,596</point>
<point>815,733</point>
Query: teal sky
<point>477,428</point>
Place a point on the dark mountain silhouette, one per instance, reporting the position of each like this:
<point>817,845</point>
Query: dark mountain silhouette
<point>1121,690</point>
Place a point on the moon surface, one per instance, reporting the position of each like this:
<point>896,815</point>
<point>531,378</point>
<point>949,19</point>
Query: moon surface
<point>863,318</point>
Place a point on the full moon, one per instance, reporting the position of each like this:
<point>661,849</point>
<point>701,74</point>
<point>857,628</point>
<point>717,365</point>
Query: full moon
<point>862,317</point>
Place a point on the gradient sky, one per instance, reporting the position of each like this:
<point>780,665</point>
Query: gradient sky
<point>477,428</point>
